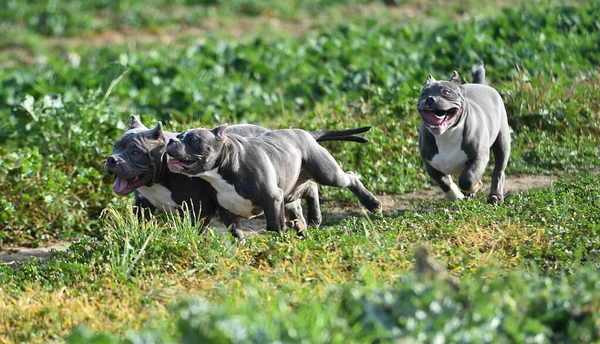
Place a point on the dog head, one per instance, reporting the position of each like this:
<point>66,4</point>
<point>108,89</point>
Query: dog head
<point>441,103</point>
<point>136,158</point>
<point>196,151</point>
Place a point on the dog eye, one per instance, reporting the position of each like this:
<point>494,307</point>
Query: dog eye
<point>446,92</point>
<point>193,140</point>
<point>136,152</point>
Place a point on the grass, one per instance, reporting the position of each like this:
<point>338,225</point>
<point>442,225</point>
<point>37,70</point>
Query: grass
<point>131,277</point>
<point>527,269</point>
<point>340,76</point>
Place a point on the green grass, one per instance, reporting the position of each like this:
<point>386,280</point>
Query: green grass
<point>527,269</point>
<point>334,278</point>
<point>63,120</point>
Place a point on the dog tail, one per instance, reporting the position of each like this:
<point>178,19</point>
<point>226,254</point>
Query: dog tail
<point>340,135</point>
<point>479,74</point>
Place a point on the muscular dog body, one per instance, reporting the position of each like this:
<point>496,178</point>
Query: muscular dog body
<point>139,163</point>
<point>256,174</point>
<point>460,124</point>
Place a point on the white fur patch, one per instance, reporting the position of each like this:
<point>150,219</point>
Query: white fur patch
<point>227,197</point>
<point>159,196</point>
<point>454,193</point>
<point>450,158</point>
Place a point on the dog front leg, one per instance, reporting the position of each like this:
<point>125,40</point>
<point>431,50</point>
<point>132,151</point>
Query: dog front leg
<point>293,211</point>
<point>451,191</point>
<point>470,178</point>
<point>231,221</point>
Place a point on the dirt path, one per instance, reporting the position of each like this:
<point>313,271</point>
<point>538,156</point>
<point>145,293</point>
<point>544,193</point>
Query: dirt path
<point>332,214</point>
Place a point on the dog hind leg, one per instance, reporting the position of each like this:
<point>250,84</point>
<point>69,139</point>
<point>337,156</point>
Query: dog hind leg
<point>311,195</point>
<point>501,150</point>
<point>325,170</point>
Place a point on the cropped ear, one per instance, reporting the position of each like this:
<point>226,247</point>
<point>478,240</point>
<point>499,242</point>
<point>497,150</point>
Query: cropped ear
<point>157,132</point>
<point>455,77</point>
<point>135,123</point>
<point>219,132</point>
<point>429,79</point>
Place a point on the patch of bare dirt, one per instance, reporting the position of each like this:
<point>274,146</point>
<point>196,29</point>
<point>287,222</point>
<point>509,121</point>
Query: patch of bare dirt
<point>12,256</point>
<point>410,201</point>
<point>405,202</point>
<point>332,214</point>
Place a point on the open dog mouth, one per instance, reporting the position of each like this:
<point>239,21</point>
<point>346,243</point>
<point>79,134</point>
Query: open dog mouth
<point>178,165</point>
<point>123,186</point>
<point>437,119</point>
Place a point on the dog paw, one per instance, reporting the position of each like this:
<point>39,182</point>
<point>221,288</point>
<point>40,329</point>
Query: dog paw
<point>495,199</point>
<point>315,224</point>
<point>298,226</point>
<point>454,194</point>
<point>375,206</point>
<point>475,188</point>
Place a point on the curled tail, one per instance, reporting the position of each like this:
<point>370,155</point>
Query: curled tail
<point>340,135</point>
<point>479,74</point>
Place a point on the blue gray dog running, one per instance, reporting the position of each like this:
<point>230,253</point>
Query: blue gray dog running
<point>252,175</point>
<point>460,124</point>
<point>139,163</point>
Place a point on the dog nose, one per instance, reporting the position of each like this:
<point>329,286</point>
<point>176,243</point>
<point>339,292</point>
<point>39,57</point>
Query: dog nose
<point>171,141</point>
<point>111,160</point>
<point>430,100</point>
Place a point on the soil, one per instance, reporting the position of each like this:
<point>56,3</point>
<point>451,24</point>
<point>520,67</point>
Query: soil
<point>332,214</point>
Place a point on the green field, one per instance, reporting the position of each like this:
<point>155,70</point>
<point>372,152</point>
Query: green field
<point>72,73</point>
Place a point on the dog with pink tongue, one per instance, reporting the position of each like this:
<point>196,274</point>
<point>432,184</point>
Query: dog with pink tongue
<point>139,164</point>
<point>460,124</point>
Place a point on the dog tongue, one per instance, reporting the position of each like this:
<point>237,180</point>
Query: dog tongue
<point>175,165</point>
<point>431,118</point>
<point>119,185</point>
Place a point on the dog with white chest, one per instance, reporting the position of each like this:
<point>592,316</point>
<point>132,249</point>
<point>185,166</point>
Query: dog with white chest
<point>252,175</point>
<point>139,164</point>
<point>460,123</point>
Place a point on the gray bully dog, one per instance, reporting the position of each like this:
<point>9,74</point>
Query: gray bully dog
<point>259,174</point>
<point>139,163</point>
<point>460,123</point>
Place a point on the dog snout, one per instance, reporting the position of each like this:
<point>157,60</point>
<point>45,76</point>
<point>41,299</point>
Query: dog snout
<point>110,164</point>
<point>173,147</point>
<point>174,143</point>
<point>430,100</point>
<point>112,160</point>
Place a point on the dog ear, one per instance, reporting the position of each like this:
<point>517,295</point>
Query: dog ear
<point>219,132</point>
<point>157,132</point>
<point>455,77</point>
<point>135,123</point>
<point>429,79</point>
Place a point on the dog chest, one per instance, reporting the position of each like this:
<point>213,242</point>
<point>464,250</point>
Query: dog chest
<point>450,158</point>
<point>227,197</point>
<point>159,196</point>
